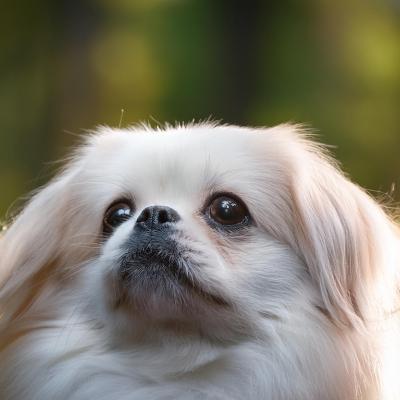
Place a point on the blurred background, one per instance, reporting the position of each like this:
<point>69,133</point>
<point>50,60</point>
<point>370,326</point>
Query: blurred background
<point>69,65</point>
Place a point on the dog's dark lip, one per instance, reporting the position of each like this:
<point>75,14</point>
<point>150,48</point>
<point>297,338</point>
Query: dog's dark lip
<point>169,263</point>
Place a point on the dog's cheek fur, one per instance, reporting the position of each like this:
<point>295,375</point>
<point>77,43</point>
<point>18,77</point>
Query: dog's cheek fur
<point>31,248</point>
<point>351,249</point>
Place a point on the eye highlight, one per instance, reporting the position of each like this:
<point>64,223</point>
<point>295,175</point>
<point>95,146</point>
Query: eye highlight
<point>116,214</point>
<point>228,211</point>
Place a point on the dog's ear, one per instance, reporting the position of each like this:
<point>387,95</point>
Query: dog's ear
<point>30,248</point>
<point>339,231</point>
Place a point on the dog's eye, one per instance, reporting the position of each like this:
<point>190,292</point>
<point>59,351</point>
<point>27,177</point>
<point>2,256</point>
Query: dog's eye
<point>116,214</point>
<point>226,210</point>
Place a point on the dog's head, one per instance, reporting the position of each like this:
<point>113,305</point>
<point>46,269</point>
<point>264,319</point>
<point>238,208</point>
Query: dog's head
<point>211,229</point>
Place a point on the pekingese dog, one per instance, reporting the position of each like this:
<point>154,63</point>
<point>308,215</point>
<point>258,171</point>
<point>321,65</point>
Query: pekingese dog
<point>200,262</point>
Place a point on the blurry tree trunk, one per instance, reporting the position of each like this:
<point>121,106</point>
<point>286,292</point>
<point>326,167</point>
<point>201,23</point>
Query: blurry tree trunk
<point>240,25</point>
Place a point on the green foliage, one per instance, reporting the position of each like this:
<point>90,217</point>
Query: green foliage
<point>71,65</point>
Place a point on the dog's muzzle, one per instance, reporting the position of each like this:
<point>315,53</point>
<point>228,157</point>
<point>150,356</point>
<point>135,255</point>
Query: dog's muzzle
<point>151,255</point>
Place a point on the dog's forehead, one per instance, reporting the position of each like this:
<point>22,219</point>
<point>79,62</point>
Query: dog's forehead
<point>185,148</point>
<point>183,165</point>
<point>171,156</point>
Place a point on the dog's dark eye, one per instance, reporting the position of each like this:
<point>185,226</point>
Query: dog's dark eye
<point>226,210</point>
<point>116,214</point>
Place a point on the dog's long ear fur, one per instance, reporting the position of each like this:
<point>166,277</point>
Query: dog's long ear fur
<point>30,248</point>
<point>345,238</point>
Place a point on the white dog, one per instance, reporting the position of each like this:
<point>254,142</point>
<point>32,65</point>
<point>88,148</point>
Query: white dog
<point>200,262</point>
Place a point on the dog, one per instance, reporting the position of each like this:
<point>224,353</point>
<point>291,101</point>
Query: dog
<point>200,261</point>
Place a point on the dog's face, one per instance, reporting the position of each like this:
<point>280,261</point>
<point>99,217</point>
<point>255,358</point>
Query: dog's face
<point>188,226</point>
<point>201,236</point>
<point>214,229</point>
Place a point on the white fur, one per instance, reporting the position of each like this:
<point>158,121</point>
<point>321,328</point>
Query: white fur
<point>312,285</point>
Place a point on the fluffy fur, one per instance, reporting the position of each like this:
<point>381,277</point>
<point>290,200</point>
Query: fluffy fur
<point>301,304</point>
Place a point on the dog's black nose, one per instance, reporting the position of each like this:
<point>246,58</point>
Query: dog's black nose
<point>155,216</point>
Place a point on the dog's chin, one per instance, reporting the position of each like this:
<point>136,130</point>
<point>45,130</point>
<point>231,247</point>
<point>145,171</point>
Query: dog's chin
<point>162,288</point>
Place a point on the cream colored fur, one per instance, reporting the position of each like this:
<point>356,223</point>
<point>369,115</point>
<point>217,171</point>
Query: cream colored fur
<point>312,286</point>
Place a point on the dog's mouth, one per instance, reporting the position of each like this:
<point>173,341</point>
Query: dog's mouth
<point>155,278</point>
